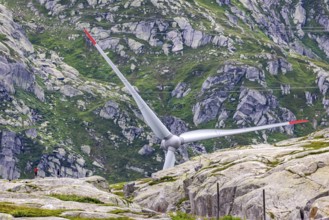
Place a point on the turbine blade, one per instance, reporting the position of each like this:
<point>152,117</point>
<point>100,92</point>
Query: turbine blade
<point>150,117</point>
<point>204,134</point>
<point>170,158</point>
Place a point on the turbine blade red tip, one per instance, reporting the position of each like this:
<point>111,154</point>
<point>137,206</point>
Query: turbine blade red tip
<point>89,36</point>
<point>297,122</point>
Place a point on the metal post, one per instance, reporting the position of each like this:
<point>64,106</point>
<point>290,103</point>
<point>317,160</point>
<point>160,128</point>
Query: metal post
<point>217,201</point>
<point>264,212</point>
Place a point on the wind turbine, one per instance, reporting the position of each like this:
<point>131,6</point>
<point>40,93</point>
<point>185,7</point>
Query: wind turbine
<point>171,141</point>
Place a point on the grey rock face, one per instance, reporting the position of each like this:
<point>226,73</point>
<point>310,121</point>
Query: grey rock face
<point>175,125</point>
<point>278,65</point>
<point>146,150</point>
<point>110,43</point>
<point>22,78</point>
<point>4,95</point>
<point>5,74</point>
<point>323,20</point>
<point>260,109</point>
<point>149,31</point>
<point>10,148</point>
<point>16,74</point>
<point>144,30</point>
<point>300,14</point>
<point>63,164</point>
<point>31,133</point>
<point>135,46</point>
<point>223,2</point>
<point>323,43</point>
<point>70,91</point>
<point>268,20</point>
<point>181,90</point>
<point>242,174</point>
<point>128,189</point>
<point>195,38</point>
<point>254,107</point>
<point>132,132</point>
<point>86,149</point>
<point>99,182</point>
<point>176,39</point>
<point>110,110</point>
<point>285,89</point>
<point>309,98</point>
<point>301,49</point>
<point>54,6</point>
<point>206,110</point>
<point>219,86</point>
<point>16,39</point>
<point>322,81</point>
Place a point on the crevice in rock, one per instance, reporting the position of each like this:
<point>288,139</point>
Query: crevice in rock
<point>233,198</point>
<point>308,206</point>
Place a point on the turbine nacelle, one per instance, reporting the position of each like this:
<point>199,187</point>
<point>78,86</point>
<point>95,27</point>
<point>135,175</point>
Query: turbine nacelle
<point>171,144</point>
<point>172,141</point>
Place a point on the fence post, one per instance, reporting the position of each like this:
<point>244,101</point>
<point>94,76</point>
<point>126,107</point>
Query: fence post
<point>264,212</point>
<point>217,201</point>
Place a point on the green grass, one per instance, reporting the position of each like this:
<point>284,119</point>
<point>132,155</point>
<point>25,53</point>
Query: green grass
<point>163,180</point>
<point>182,216</point>
<point>76,198</point>
<point>316,145</point>
<point>24,211</point>
<point>121,194</point>
<point>119,218</point>
<point>185,216</point>
<point>118,186</point>
<point>120,211</point>
<point>181,201</point>
<point>223,167</point>
<point>3,37</point>
<point>229,218</point>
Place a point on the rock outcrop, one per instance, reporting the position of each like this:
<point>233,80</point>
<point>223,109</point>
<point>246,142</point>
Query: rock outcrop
<point>10,148</point>
<point>63,164</point>
<point>44,193</point>
<point>259,109</point>
<point>254,107</point>
<point>16,74</point>
<point>283,170</point>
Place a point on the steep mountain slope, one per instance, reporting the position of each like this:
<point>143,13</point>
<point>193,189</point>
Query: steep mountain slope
<point>199,64</point>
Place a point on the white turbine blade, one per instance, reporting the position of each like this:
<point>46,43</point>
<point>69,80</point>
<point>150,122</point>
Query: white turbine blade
<point>170,158</point>
<point>204,134</point>
<point>150,117</point>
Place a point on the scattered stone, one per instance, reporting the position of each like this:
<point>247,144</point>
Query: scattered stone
<point>128,189</point>
<point>86,149</point>
<point>146,150</point>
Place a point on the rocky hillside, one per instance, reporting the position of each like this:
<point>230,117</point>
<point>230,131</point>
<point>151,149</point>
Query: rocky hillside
<point>198,64</point>
<point>293,174</point>
<point>67,198</point>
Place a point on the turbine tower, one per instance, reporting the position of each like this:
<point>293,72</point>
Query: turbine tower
<point>171,141</point>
